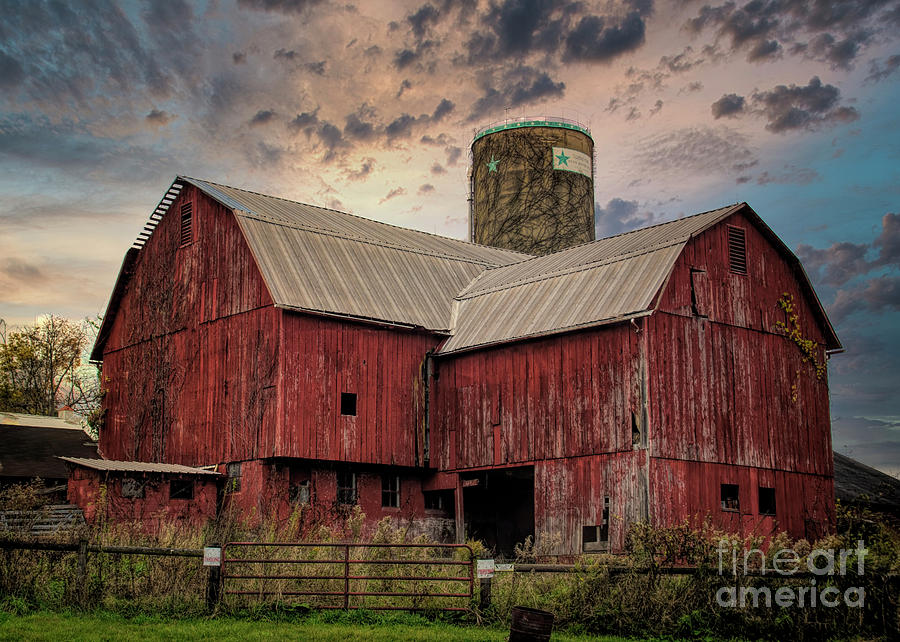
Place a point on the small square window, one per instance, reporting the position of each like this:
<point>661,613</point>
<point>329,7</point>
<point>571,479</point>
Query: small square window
<point>346,487</point>
<point>181,489</point>
<point>132,487</point>
<point>299,493</point>
<point>390,491</point>
<point>730,501</point>
<point>434,500</point>
<point>348,403</point>
<point>766,501</point>
<point>233,472</point>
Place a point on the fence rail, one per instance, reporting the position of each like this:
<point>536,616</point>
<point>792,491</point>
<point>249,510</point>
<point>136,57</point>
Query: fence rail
<point>358,574</point>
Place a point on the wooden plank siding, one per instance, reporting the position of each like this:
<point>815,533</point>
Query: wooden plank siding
<point>565,396</point>
<point>320,359</point>
<point>731,399</point>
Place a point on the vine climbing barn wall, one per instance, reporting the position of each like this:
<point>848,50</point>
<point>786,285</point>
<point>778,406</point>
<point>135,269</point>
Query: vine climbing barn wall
<point>730,399</point>
<point>190,362</point>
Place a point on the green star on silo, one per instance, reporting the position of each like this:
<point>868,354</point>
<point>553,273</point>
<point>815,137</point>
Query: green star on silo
<point>492,164</point>
<point>562,159</point>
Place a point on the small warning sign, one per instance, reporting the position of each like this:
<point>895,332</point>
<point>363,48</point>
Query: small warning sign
<point>485,568</point>
<point>212,556</point>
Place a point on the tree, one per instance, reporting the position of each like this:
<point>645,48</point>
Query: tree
<point>42,368</point>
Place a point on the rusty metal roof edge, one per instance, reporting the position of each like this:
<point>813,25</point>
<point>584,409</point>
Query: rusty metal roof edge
<point>584,267</point>
<point>361,319</point>
<point>544,333</point>
<point>137,466</point>
<point>233,204</point>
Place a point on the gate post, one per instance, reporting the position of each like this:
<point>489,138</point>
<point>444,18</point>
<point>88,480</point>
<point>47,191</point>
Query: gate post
<point>82,571</point>
<point>347,576</point>
<point>214,582</point>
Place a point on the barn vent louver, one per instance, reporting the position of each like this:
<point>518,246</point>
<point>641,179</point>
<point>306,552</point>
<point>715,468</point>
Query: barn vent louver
<point>187,221</point>
<point>737,250</point>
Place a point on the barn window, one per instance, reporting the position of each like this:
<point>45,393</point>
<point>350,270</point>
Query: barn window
<point>348,403</point>
<point>187,223</point>
<point>766,501</point>
<point>699,292</point>
<point>596,537</point>
<point>346,487</point>
<point>233,472</point>
<point>133,488</point>
<point>390,491</point>
<point>299,493</point>
<point>737,249</point>
<point>434,500</point>
<point>730,497</point>
<point>181,489</point>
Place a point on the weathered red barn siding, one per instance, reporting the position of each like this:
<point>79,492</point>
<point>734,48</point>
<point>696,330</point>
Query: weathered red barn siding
<point>726,387</point>
<point>191,361</point>
<point>100,496</point>
<point>569,494</point>
<point>265,495</point>
<point>804,504</point>
<point>565,396</point>
<point>322,358</point>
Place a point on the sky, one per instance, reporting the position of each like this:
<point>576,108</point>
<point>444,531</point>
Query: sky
<point>370,108</point>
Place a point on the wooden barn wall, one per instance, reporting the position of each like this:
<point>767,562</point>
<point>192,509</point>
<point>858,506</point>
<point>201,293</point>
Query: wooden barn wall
<point>569,493</point>
<point>190,367</point>
<point>565,396</point>
<point>729,387</point>
<point>744,300</point>
<point>322,358</point>
<point>804,504</point>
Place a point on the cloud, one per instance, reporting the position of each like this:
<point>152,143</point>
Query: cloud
<point>11,72</point>
<point>764,50</point>
<point>357,128</point>
<point>443,109</point>
<point>875,295</point>
<point>422,19</point>
<point>239,58</point>
<point>875,442</point>
<point>437,169</point>
<point>427,188</point>
<point>280,6</point>
<point>394,193</point>
<point>515,87</point>
<point>728,105</point>
<point>306,121</point>
<point>790,175</point>
<point>365,170</point>
<point>594,39</point>
<point>878,71</point>
<point>263,117</point>
<point>453,154</point>
<point>834,265</point>
<point>794,107</point>
<point>620,216</point>
<point>158,117</point>
<point>700,150</point>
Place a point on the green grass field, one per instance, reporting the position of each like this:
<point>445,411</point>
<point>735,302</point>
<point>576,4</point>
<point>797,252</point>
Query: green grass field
<point>338,627</point>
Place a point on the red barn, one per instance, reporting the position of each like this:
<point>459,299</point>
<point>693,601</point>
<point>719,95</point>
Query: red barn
<point>326,359</point>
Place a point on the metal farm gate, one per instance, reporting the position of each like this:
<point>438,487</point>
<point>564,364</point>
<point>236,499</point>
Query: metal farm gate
<point>409,577</point>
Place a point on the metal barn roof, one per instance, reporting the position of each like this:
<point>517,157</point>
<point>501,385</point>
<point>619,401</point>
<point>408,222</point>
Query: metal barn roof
<point>363,268</point>
<point>605,281</point>
<point>30,445</point>
<point>137,466</point>
<point>323,261</point>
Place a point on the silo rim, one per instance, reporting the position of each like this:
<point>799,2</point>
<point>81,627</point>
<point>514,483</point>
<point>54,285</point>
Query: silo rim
<point>518,123</point>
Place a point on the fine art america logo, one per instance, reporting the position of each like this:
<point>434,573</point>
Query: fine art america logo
<point>821,566</point>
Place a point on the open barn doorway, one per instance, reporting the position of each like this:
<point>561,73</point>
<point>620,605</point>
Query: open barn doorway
<point>499,508</point>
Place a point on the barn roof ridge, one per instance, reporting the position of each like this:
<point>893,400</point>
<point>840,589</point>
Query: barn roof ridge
<point>199,183</point>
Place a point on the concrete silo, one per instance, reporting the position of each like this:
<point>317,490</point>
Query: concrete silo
<point>532,186</point>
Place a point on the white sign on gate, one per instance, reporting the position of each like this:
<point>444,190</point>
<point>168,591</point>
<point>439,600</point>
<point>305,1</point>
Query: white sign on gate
<point>485,568</point>
<point>212,556</point>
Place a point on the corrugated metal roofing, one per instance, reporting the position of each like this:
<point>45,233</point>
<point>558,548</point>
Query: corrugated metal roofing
<point>363,268</point>
<point>36,421</point>
<point>136,466</point>
<point>604,281</point>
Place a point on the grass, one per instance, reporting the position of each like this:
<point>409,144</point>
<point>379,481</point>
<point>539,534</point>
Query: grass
<point>318,626</point>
